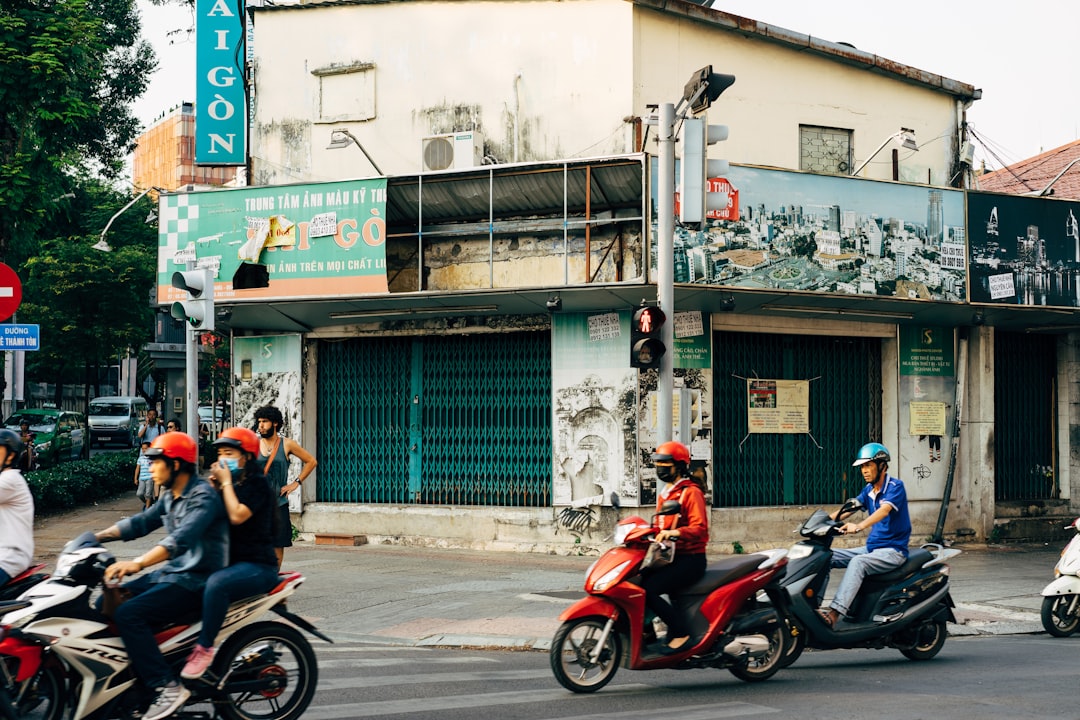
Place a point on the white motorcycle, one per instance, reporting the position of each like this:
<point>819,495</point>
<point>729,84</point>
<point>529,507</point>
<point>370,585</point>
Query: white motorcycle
<point>62,658</point>
<point>1061,598</point>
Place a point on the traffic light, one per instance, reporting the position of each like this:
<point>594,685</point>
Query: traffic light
<point>198,310</point>
<point>695,200</point>
<point>646,346</point>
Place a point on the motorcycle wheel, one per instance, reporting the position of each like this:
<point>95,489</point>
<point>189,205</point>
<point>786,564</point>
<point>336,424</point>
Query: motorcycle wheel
<point>45,699</point>
<point>929,639</point>
<point>764,667</point>
<point>571,649</point>
<point>274,654</point>
<point>1056,618</point>
<point>796,643</point>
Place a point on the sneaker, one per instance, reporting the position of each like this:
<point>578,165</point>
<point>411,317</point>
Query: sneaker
<point>197,663</point>
<point>169,699</point>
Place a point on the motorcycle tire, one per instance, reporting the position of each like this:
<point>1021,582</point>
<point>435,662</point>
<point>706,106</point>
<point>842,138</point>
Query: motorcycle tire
<point>572,648</point>
<point>796,643</point>
<point>274,654</point>
<point>1056,618</point>
<point>45,699</point>
<point>929,639</point>
<point>764,667</point>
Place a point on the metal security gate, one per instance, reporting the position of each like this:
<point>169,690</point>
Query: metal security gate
<point>463,420</point>
<point>845,412</point>
<point>1025,376</point>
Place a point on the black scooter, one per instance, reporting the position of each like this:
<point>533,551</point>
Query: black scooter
<point>906,608</point>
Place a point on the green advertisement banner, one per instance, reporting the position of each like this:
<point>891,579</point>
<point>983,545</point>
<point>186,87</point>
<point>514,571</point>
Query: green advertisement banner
<point>325,240</point>
<point>926,351</point>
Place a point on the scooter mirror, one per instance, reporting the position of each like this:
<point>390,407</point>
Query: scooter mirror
<point>615,500</point>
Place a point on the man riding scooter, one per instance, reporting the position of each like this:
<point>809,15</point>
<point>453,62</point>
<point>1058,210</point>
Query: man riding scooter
<point>885,500</point>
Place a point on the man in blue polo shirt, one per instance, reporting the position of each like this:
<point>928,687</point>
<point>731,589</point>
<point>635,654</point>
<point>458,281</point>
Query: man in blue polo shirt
<point>885,501</point>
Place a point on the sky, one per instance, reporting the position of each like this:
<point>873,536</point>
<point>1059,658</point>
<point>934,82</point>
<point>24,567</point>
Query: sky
<point>1021,56</point>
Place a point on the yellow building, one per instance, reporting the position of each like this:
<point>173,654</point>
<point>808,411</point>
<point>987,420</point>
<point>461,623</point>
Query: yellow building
<point>165,155</point>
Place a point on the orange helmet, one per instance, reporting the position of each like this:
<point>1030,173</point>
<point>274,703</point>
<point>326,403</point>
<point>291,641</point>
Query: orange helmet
<point>672,451</point>
<point>174,446</point>
<point>240,438</point>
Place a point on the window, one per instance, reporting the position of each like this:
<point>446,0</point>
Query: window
<point>825,150</point>
<point>346,93</point>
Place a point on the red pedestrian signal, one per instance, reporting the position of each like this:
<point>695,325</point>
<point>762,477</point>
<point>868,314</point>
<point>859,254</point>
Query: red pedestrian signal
<point>646,345</point>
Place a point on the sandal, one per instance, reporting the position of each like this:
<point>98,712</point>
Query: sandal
<point>828,617</point>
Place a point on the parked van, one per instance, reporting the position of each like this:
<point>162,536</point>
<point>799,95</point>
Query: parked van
<point>116,419</point>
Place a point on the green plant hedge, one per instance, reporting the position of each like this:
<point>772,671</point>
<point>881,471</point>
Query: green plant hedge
<point>82,482</point>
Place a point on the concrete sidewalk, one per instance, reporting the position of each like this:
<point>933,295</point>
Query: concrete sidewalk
<point>437,597</point>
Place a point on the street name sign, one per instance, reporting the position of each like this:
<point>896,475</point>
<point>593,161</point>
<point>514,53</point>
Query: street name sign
<point>20,337</point>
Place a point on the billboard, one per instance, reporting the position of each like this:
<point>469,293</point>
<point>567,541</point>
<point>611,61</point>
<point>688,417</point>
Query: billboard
<point>823,233</point>
<point>322,240</point>
<point>220,96</point>
<point>1024,250</point>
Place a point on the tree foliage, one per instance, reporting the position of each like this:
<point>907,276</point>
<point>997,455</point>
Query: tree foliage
<point>69,72</point>
<point>90,304</point>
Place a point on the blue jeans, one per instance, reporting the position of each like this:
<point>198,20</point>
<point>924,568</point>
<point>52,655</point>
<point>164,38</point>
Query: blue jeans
<point>154,605</point>
<point>242,580</point>
<point>859,564</point>
<point>4,578</point>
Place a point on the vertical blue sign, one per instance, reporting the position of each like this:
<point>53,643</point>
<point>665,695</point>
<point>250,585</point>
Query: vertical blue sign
<point>220,96</point>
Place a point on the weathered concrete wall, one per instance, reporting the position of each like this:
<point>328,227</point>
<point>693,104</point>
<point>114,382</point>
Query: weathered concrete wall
<point>539,530</point>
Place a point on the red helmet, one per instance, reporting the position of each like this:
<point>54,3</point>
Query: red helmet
<point>240,438</point>
<point>672,451</point>
<point>174,446</point>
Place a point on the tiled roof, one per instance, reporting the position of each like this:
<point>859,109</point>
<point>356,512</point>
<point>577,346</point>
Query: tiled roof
<point>1034,174</point>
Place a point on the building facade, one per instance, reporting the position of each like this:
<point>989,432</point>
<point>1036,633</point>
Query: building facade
<point>470,382</point>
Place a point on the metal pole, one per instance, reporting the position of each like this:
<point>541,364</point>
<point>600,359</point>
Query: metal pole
<point>191,380</point>
<point>665,266</point>
<point>961,380</point>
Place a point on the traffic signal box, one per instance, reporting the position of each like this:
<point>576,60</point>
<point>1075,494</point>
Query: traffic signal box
<point>198,310</point>
<point>646,345</point>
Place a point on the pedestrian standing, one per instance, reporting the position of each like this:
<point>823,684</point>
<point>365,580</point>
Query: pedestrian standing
<point>153,427</point>
<point>275,453</point>
<point>144,481</point>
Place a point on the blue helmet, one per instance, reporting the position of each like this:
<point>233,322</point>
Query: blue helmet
<point>872,452</point>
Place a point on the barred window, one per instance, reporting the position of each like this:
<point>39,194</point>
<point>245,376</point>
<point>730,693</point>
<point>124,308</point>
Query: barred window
<point>825,150</point>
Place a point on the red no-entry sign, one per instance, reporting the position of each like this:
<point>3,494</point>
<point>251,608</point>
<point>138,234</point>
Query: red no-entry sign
<point>10,292</point>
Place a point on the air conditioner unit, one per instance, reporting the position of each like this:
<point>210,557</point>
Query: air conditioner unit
<point>452,151</point>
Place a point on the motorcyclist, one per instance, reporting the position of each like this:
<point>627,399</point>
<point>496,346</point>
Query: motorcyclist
<point>885,499</point>
<point>690,528</point>
<point>16,510</point>
<point>195,545</point>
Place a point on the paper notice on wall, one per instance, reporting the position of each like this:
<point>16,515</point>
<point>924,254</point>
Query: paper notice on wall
<point>604,327</point>
<point>927,418</point>
<point>258,231</point>
<point>323,225</point>
<point>689,324</point>
<point>1001,286</point>
<point>777,406</point>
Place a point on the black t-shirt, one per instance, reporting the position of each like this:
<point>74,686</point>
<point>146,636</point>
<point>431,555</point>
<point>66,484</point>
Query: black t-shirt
<point>253,541</point>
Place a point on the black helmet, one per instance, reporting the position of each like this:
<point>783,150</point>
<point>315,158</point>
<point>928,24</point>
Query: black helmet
<point>12,441</point>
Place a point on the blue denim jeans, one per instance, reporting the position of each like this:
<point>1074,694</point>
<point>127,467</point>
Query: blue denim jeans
<point>153,605</point>
<point>226,586</point>
<point>859,564</point>
<point>4,578</point>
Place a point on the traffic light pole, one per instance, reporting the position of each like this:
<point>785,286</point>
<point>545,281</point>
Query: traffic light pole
<point>191,382</point>
<point>665,267</point>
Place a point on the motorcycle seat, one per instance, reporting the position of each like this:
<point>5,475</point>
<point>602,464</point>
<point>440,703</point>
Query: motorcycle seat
<point>723,571</point>
<point>916,559</point>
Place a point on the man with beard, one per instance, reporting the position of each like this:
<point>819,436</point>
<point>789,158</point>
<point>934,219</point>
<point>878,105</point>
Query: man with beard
<point>275,453</point>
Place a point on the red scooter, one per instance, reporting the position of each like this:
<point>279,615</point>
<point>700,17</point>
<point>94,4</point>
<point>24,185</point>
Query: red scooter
<point>22,582</point>
<point>728,628</point>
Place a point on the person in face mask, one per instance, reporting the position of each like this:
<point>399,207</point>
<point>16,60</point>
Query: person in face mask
<point>252,570</point>
<point>690,532</point>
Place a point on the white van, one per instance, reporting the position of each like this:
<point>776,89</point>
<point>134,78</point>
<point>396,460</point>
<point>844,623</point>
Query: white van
<point>116,419</point>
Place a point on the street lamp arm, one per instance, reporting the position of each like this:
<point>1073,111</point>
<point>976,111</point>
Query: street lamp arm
<point>1057,177</point>
<point>104,246</point>
<point>356,142</point>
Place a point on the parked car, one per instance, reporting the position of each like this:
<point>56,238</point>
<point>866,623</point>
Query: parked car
<point>59,435</point>
<point>208,414</point>
<point>116,419</point>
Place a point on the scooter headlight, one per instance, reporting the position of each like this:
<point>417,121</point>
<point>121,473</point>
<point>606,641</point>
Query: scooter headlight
<point>799,551</point>
<point>604,581</point>
<point>621,531</point>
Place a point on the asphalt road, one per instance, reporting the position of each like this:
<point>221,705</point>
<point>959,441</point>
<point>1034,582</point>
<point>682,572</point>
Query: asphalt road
<point>1002,677</point>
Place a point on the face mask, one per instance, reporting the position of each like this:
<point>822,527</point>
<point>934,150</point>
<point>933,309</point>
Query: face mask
<point>665,473</point>
<point>232,463</point>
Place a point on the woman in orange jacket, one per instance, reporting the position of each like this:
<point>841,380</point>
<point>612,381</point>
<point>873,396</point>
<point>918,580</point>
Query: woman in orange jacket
<point>690,530</point>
